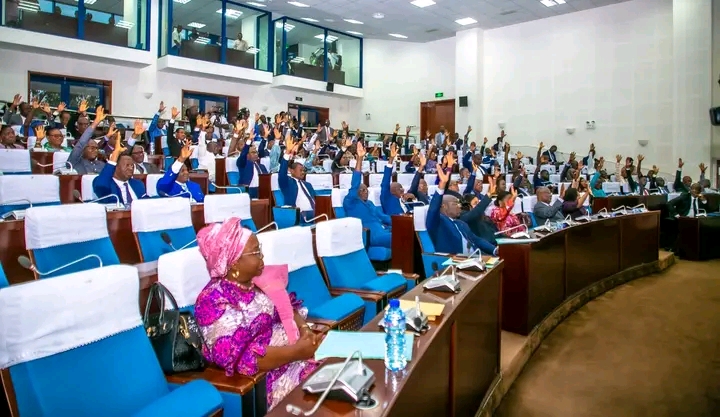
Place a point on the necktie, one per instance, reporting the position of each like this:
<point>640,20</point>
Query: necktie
<point>402,205</point>
<point>695,207</point>
<point>307,194</point>
<point>129,198</point>
<point>141,168</point>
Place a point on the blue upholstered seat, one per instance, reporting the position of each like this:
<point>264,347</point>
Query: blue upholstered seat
<point>153,217</point>
<point>61,235</point>
<point>3,278</point>
<point>220,207</point>
<point>284,216</point>
<point>19,192</point>
<point>429,257</point>
<point>99,364</point>
<point>15,162</point>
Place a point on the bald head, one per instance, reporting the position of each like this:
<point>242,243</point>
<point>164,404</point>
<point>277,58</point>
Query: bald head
<point>543,194</point>
<point>396,189</point>
<point>450,206</point>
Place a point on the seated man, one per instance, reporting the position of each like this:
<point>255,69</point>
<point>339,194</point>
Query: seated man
<point>419,187</point>
<point>296,191</point>
<point>250,168</point>
<point>392,195</point>
<point>473,213</point>
<point>356,204</point>
<point>116,177</point>
<point>449,234</point>
<point>541,178</point>
<point>175,182</point>
<point>84,156</point>
<point>544,210</point>
<point>688,204</point>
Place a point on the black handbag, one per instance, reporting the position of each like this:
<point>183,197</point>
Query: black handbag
<point>174,334</point>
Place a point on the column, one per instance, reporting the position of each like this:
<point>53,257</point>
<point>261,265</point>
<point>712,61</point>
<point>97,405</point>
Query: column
<point>469,82</point>
<point>693,83</point>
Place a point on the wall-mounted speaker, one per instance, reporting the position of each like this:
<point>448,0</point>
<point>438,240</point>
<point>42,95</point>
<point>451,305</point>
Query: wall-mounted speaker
<point>463,101</point>
<point>330,87</point>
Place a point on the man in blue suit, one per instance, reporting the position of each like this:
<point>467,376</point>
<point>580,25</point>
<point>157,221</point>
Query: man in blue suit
<point>175,182</point>
<point>419,187</point>
<point>356,204</point>
<point>449,234</point>
<point>116,177</point>
<point>296,191</point>
<point>249,166</point>
<point>392,195</point>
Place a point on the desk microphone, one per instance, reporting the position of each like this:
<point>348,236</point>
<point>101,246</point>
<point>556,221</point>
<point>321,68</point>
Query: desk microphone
<point>620,210</point>
<point>315,218</point>
<point>640,208</point>
<point>603,213</point>
<point>230,187</point>
<point>701,213</point>
<point>25,262</point>
<point>18,214</point>
<point>77,195</point>
<point>545,227</point>
<point>517,235</point>
<point>166,238</point>
<point>267,226</point>
<point>61,166</point>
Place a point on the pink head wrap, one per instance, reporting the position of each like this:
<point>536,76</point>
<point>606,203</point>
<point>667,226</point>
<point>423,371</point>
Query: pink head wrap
<point>222,244</point>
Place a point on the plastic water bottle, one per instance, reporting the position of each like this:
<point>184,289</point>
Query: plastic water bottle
<point>395,326</point>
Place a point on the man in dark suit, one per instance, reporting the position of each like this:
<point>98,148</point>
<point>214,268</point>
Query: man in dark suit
<point>141,167</point>
<point>419,187</point>
<point>550,154</point>
<point>296,191</point>
<point>116,177</point>
<point>176,181</point>
<point>325,133</point>
<point>392,195</point>
<point>545,211</point>
<point>476,219</point>
<point>688,204</point>
<point>448,233</point>
<point>250,168</point>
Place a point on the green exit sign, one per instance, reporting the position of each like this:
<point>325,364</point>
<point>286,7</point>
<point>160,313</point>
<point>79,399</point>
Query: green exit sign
<point>438,95</point>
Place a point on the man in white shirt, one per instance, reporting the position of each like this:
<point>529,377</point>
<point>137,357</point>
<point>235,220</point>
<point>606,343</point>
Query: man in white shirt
<point>240,44</point>
<point>176,40</point>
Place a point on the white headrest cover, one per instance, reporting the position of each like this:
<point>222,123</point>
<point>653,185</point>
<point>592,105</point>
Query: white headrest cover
<point>419,216</point>
<point>338,196</point>
<point>49,226</point>
<point>59,159</point>
<point>430,179</point>
<point>49,316</point>
<point>231,164</point>
<point>320,181</point>
<point>15,160</point>
<point>339,237</point>
<point>345,180</point>
<point>375,180</point>
<point>151,181</point>
<point>184,274</point>
<point>86,187</point>
<point>274,186</point>
<point>220,207</point>
<point>150,215</point>
<point>35,188</point>
<point>292,246</point>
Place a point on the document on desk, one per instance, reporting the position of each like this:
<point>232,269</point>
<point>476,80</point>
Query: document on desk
<point>340,344</point>
<point>508,241</point>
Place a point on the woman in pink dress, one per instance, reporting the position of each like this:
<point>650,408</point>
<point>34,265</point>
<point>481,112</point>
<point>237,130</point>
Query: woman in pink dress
<point>242,325</point>
<point>502,214</point>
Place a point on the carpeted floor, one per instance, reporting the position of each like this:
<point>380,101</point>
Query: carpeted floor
<point>650,348</point>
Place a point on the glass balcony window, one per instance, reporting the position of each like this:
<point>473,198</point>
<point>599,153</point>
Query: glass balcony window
<point>121,23</point>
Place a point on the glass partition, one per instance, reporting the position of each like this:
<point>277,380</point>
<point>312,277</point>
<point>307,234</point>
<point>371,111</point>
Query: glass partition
<point>313,52</point>
<point>121,23</point>
<point>220,31</point>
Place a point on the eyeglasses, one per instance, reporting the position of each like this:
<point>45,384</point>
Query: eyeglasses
<point>257,253</point>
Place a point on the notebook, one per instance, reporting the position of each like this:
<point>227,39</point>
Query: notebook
<point>371,345</point>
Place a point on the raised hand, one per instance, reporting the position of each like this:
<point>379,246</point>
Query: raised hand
<point>393,152</point>
<point>702,167</point>
<point>118,148</point>
<point>513,192</point>
<point>112,131</point>
<point>44,106</point>
<point>83,106</point>
<point>640,158</point>
<point>344,125</point>
<point>161,108</point>
<point>99,115</point>
<point>40,133</point>
<point>397,127</point>
<point>35,103</point>
<point>360,150</point>
<point>519,155</point>
<point>618,158</point>
<point>423,161</point>
<point>61,107</point>
<point>444,177</point>
<point>542,145</point>
<point>289,143</point>
<point>138,128</point>
<point>680,163</point>
<point>427,133</point>
<point>277,134</point>
<point>16,100</point>
<point>186,151</point>
<point>572,156</point>
<point>506,148</point>
<point>174,113</point>
<point>592,147</point>
<point>469,129</point>
<point>407,131</point>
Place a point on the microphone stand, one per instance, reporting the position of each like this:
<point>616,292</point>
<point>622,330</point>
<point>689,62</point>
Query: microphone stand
<point>267,226</point>
<point>315,218</point>
<point>26,263</point>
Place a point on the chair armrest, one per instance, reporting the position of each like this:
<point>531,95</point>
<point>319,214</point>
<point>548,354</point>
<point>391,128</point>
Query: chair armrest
<point>330,324</point>
<point>365,295</point>
<point>206,400</point>
<point>237,384</point>
<point>406,275</point>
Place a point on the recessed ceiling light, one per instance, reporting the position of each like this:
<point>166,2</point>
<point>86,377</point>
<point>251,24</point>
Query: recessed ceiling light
<point>466,21</point>
<point>175,1</point>
<point>196,25</point>
<point>397,35</point>
<point>288,26</point>
<point>298,4</point>
<point>252,3</point>
<point>422,3</point>
<point>378,15</point>
<point>329,20</point>
<point>560,1</point>
<point>352,32</point>
<point>93,1</point>
<point>353,21</point>
<point>253,50</point>
<point>231,13</point>
<point>309,19</point>
<point>330,38</point>
<point>548,3</point>
<point>202,40</point>
<point>124,24</point>
<point>28,6</point>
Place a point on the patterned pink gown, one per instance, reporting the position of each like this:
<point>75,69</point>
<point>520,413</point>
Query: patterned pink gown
<point>238,326</point>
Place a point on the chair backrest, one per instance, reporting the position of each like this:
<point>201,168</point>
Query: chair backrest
<point>339,243</point>
<point>322,183</point>
<point>611,187</point>
<point>461,188</point>
<point>153,217</point>
<point>231,170</point>
<point>555,178</point>
<point>327,164</point>
<point>549,168</point>
<point>86,187</point>
<point>345,180</point>
<point>3,278</point>
<point>374,180</point>
<point>184,274</point>
<point>220,207</point>
<point>265,162</point>
<point>419,221</point>
<point>59,235</point>
<point>151,181</point>
<point>430,179</point>
<point>40,190</point>
<point>277,193</point>
<point>15,161</point>
<point>59,159</point>
<point>337,198</point>
<point>374,195</point>
<point>518,207</point>
<point>85,330</point>
<point>405,180</point>
<point>528,203</point>
<point>293,246</point>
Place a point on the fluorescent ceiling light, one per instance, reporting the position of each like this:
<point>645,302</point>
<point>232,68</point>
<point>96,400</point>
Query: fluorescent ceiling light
<point>298,4</point>
<point>560,1</point>
<point>253,50</point>
<point>466,21</point>
<point>288,26</point>
<point>378,15</point>
<point>252,3</point>
<point>309,19</point>
<point>125,24</point>
<point>353,21</point>
<point>422,3</point>
<point>352,32</point>
<point>28,6</point>
<point>329,20</point>
<point>397,35</point>
<point>176,1</point>
<point>297,59</point>
<point>231,13</point>
<point>93,1</point>
<point>330,38</point>
<point>203,40</point>
<point>196,25</point>
<point>548,3</point>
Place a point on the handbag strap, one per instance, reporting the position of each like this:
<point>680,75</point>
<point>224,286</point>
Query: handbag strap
<point>159,292</point>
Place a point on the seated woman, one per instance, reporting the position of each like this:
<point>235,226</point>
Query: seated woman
<point>573,205</point>
<point>502,214</point>
<point>243,325</point>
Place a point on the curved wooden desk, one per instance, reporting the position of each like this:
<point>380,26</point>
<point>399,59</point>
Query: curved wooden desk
<point>453,365</point>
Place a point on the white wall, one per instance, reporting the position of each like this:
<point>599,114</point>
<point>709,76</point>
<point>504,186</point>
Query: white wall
<point>129,84</point>
<point>613,65</point>
<point>397,76</point>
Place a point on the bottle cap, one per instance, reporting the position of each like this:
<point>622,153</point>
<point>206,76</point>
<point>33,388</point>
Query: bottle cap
<point>394,303</point>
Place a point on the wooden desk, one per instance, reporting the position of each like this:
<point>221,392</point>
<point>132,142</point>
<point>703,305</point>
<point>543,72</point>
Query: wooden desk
<point>698,238</point>
<point>119,223</point>
<point>42,158</point>
<point>539,276</point>
<point>265,187</point>
<point>323,205</point>
<point>406,253</point>
<point>652,202</point>
<point>220,175</point>
<point>453,364</point>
